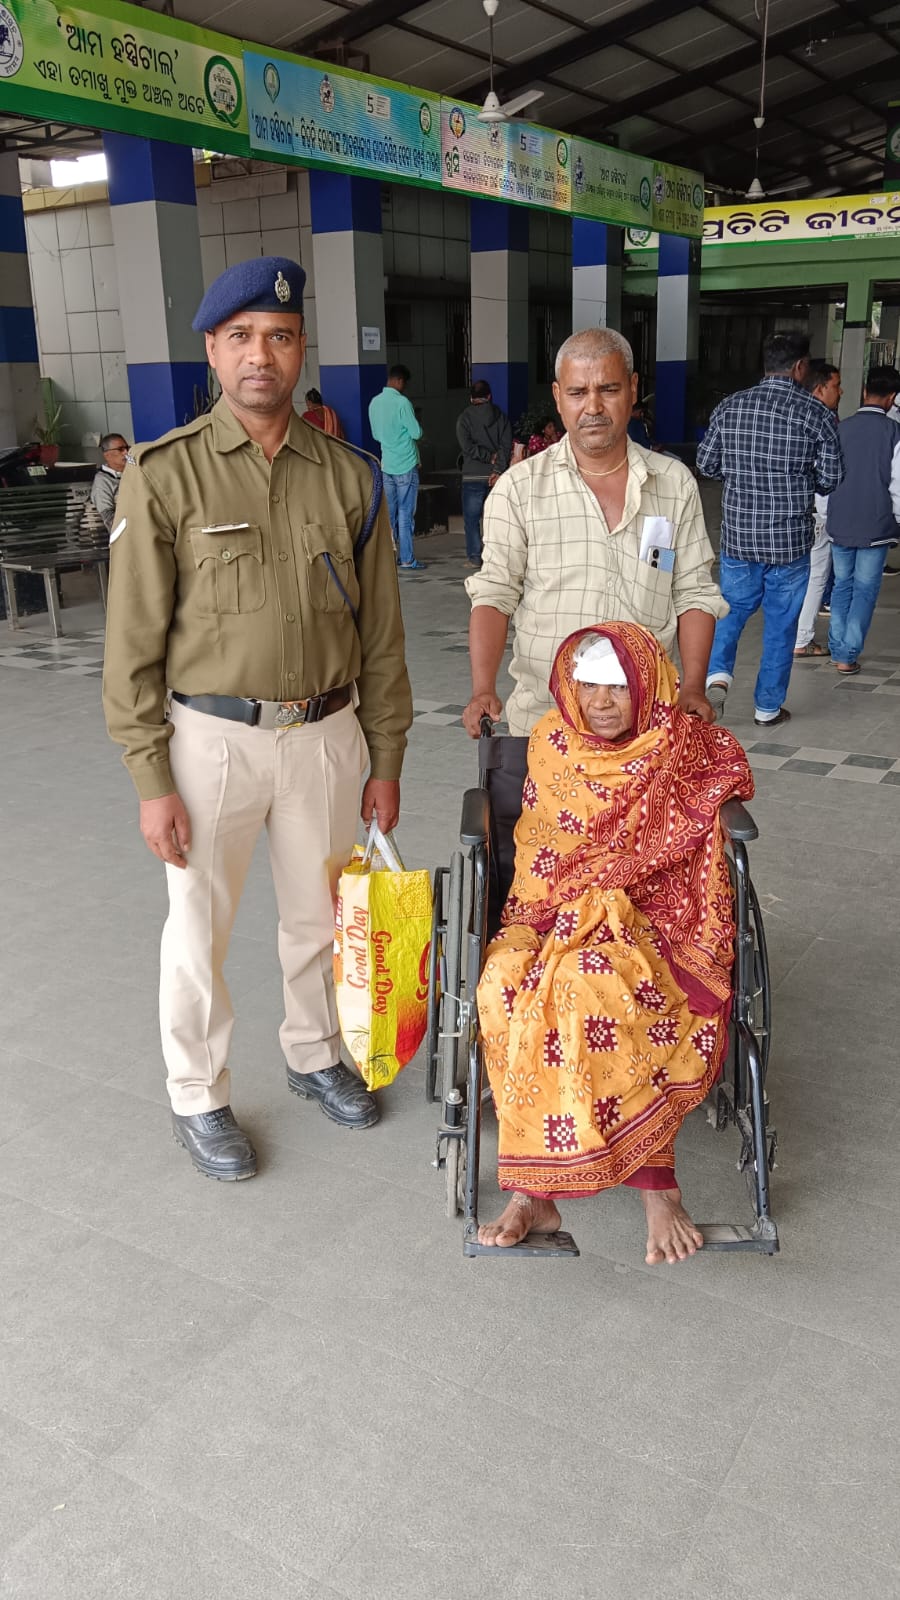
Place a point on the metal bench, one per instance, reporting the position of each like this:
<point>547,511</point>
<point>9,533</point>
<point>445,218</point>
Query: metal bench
<point>47,529</point>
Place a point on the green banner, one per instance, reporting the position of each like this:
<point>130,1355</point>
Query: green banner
<point>516,161</point>
<point>677,200</point>
<point>329,116</point>
<point>613,186</point>
<point>610,185</point>
<point>120,67</point>
<point>136,71</point>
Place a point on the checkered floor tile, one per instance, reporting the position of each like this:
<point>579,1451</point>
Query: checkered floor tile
<point>77,655</point>
<point>816,763</point>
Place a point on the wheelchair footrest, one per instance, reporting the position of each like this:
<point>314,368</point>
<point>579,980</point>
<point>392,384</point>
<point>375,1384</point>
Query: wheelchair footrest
<point>534,1244</point>
<point>732,1236</point>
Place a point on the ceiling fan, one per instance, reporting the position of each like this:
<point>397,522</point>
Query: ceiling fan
<point>492,110</point>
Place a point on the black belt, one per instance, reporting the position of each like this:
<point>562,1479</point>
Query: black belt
<point>267,714</point>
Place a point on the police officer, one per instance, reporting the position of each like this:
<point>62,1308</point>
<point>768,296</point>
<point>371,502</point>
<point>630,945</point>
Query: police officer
<point>254,670</point>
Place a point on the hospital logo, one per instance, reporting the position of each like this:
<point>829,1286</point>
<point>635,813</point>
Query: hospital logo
<point>12,49</point>
<point>326,94</point>
<point>223,91</point>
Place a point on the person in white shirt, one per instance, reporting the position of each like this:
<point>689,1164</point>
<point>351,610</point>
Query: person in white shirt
<point>824,383</point>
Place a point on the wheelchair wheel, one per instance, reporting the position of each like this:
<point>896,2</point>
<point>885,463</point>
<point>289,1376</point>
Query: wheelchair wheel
<point>758,998</point>
<point>761,1018</point>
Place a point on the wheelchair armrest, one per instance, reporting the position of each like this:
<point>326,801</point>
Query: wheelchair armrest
<point>476,817</point>
<point>737,822</point>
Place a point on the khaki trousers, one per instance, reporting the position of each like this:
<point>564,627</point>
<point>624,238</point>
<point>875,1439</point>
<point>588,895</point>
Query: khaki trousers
<point>302,784</point>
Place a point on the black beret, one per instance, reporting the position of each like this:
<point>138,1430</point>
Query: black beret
<point>268,283</point>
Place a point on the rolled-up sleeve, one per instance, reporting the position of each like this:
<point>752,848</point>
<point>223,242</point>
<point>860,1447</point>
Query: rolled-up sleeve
<point>504,553</point>
<point>693,586</point>
<point>829,461</point>
<point>709,454</point>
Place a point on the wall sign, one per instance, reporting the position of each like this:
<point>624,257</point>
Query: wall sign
<point>515,161</point>
<point>304,111</point>
<point>846,216</point>
<point>120,67</point>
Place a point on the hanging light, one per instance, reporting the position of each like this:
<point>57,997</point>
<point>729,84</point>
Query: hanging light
<point>756,190</point>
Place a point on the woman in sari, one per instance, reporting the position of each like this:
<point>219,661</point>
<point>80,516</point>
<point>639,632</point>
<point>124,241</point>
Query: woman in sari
<point>604,1000</point>
<point>321,415</point>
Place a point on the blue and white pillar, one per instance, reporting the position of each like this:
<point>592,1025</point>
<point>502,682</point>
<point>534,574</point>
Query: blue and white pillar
<point>597,255</point>
<point>677,335</point>
<point>19,370</point>
<point>499,286</point>
<point>348,262</point>
<point>157,240</point>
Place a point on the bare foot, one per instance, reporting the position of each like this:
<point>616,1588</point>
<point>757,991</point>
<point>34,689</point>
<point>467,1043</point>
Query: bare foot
<point>525,1213</point>
<point>671,1235</point>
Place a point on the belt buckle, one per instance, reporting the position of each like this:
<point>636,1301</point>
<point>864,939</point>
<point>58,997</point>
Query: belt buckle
<point>291,714</point>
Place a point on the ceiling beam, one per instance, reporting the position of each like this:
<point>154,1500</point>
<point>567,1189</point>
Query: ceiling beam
<point>732,126</point>
<point>584,44</point>
<point>711,75</point>
<point>354,24</point>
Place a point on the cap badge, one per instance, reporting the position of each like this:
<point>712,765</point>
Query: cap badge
<point>282,289</point>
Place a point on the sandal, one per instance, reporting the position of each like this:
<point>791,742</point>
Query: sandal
<point>811,649</point>
<point>848,668</point>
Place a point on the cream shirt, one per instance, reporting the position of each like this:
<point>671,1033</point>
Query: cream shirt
<point>550,562</point>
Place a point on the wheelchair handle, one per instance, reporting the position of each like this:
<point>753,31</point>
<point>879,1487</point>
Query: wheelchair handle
<point>486,727</point>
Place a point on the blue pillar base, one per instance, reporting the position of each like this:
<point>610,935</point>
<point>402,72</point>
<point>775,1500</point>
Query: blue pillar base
<point>349,390</point>
<point>670,402</point>
<point>509,384</point>
<point>165,395</point>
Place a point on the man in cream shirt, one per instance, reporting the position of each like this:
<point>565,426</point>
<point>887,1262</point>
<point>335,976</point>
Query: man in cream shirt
<point>595,529</point>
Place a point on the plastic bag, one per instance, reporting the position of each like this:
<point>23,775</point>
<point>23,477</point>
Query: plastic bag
<point>381,946</point>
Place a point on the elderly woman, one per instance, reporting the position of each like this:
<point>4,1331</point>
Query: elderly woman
<point>604,1000</point>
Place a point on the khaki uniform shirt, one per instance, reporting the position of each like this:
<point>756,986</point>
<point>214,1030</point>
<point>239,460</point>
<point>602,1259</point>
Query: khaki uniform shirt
<point>218,585</point>
<point>550,561</point>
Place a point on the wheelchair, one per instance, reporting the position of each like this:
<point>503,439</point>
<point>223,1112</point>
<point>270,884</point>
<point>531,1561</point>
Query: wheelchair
<point>468,898</point>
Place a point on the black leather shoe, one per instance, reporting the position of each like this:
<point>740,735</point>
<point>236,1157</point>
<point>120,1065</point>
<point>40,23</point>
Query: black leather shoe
<point>216,1145</point>
<point>773,722</point>
<point>341,1094</point>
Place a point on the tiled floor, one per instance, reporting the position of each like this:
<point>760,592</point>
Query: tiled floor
<point>296,1388</point>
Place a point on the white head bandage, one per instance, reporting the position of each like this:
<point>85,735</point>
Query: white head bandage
<point>597,662</point>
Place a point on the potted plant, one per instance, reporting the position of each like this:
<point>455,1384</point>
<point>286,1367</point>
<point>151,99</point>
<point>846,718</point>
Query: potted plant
<point>48,430</point>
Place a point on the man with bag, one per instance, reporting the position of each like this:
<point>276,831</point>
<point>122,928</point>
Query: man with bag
<point>254,669</point>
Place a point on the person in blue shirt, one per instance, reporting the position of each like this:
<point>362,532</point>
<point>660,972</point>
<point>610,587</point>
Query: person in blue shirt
<point>396,427</point>
<point>775,447</point>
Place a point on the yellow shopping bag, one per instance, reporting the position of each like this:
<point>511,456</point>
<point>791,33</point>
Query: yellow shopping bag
<point>381,945</point>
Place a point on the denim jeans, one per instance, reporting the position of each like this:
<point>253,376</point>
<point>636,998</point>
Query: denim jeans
<point>780,590</point>
<point>857,580</point>
<point>401,491</point>
<point>474,493</point>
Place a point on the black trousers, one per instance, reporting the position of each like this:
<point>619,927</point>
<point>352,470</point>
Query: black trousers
<point>505,761</point>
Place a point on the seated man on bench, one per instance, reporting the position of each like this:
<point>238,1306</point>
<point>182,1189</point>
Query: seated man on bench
<point>604,1000</point>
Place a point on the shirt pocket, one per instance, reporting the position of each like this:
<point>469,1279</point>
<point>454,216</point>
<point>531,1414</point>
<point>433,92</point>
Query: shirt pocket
<point>653,596</point>
<point>328,548</point>
<point>230,575</point>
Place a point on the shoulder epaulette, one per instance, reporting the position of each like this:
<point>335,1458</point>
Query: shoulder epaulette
<point>196,425</point>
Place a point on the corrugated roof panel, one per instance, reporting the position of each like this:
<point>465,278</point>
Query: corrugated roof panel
<point>616,73</point>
